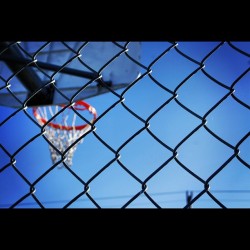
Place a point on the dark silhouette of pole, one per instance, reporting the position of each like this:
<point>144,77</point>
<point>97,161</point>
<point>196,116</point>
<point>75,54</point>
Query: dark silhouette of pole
<point>189,196</point>
<point>26,74</point>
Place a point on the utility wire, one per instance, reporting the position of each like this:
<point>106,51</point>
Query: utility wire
<point>129,196</point>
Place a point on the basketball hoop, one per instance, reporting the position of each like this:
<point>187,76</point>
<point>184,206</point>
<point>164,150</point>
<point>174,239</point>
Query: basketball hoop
<point>60,134</point>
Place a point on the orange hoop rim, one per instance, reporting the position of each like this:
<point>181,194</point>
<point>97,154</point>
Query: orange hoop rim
<point>82,106</point>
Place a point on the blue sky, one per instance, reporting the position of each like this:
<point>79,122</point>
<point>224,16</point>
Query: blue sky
<point>201,153</point>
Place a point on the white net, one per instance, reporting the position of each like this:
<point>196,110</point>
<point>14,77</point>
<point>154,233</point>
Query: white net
<point>63,140</point>
<point>62,131</point>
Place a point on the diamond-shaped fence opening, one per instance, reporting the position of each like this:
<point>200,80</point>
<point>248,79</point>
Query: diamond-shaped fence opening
<point>230,121</point>
<point>171,126</point>
<point>31,168</point>
<point>151,98</point>
<point>226,60</point>
<point>145,161</point>
<point>87,165</point>
<point>123,187</point>
<point>175,179</point>
<point>13,187</point>
<point>209,155</point>
<point>206,93</point>
<point>242,90</point>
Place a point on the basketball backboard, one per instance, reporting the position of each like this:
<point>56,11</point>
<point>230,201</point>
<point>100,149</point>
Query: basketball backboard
<point>64,71</point>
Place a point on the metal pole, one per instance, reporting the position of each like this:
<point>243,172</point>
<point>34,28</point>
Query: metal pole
<point>27,75</point>
<point>12,59</point>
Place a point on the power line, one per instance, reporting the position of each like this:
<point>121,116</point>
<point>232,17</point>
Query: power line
<point>129,196</point>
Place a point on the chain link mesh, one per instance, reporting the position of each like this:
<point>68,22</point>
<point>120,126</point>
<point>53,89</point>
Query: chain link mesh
<point>20,143</point>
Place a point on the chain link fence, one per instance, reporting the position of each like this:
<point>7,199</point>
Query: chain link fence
<point>177,136</point>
